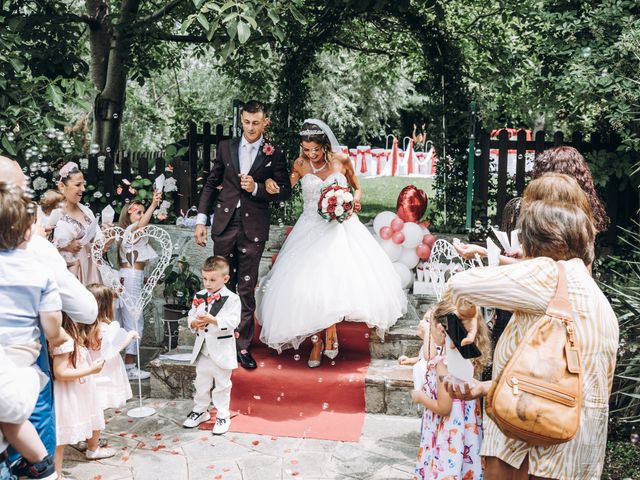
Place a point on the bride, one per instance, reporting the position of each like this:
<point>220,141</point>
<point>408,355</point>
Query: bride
<point>325,271</point>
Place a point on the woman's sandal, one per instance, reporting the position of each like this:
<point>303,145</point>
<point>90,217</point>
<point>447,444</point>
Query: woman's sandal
<point>333,352</point>
<point>316,363</point>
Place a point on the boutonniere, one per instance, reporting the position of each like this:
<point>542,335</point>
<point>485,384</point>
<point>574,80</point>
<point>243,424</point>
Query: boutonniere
<point>268,149</point>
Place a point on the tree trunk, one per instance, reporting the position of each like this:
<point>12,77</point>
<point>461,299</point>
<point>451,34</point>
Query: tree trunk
<point>110,49</point>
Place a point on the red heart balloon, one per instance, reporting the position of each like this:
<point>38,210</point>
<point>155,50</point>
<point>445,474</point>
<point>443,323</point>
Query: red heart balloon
<point>412,203</point>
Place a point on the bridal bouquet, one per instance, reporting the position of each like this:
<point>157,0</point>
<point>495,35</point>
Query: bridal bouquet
<point>336,203</point>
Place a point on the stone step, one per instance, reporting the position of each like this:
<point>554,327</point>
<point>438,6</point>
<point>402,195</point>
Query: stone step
<point>387,384</point>
<point>388,388</point>
<point>401,339</point>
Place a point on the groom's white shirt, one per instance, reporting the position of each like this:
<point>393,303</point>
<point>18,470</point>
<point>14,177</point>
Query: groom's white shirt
<point>201,219</point>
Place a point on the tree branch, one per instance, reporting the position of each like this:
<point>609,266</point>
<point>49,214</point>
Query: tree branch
<point>373,51</point>
<point>161,12</point>
<point>182,38</point>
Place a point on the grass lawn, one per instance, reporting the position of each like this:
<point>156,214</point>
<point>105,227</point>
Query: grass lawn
<point>381,193</point>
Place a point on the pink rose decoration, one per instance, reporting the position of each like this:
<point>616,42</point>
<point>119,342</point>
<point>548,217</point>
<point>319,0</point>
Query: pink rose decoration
<point>268,149</point>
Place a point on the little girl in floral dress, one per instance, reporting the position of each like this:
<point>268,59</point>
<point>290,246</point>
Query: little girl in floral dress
<point>113,386</point>
<point>79,414</point>
<point>451,429</point>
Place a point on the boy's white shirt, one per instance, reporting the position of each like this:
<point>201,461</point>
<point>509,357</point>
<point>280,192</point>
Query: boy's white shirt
<point>20,388</point>
<point>219,340</point>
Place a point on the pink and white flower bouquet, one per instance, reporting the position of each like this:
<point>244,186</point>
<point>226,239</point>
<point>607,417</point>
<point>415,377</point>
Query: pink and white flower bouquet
<point>336,203</point>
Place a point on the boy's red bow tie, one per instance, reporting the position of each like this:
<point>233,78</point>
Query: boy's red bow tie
<point>212,297</point>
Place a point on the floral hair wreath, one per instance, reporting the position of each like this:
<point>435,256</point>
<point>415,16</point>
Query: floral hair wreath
<point>67,168</point>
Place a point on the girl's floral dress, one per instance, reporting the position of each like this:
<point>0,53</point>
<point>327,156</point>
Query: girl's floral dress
<point>449,446</point>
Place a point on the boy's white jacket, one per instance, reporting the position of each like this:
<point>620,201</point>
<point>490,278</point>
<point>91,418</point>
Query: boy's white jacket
<point>219,340</point>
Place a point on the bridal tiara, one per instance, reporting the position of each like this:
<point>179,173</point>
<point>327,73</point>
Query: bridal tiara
<point>309,132</point>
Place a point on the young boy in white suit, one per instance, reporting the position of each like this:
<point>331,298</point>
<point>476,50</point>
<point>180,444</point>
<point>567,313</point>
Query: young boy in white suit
<point>215,313</point>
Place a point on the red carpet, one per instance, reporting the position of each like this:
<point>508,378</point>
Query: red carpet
<point>284,397</point>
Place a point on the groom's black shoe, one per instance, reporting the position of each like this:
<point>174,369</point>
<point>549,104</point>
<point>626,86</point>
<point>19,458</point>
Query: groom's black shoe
<point>246,360</point>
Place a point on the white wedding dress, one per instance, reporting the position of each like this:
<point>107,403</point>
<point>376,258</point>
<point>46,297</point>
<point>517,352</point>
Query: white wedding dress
<point>324,272</point>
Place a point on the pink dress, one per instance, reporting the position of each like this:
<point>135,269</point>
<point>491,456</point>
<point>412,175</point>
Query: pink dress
<point>449,446</point>
<point>113,383</point>
<point>78,410</point>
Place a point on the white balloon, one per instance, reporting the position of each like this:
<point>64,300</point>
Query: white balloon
<point>409,257</point>
<point>392,250</point>
<point>404,273</point>
<point>383,219</point>
<point>425,231</point>
<point>412,235</point>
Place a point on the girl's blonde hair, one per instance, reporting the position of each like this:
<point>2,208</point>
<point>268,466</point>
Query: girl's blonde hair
<point>105,297</point>
<point>482,341</point>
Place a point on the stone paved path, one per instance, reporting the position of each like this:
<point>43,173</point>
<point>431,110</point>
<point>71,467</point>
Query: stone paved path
<point>158,448</point>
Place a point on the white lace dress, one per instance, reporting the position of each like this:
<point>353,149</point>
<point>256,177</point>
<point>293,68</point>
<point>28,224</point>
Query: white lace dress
<point>324,272</point>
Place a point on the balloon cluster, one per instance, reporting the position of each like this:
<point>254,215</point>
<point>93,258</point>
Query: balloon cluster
<point>405,241</point>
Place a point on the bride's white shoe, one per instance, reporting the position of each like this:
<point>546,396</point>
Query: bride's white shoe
<point>316,363</point>
<point>332,353</point>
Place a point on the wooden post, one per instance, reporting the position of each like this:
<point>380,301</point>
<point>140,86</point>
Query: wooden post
<point>159,165</point>
<point>521,151</point>
<point>182,173</point>
<point>92,169</point>
<point>539,142</point>
<point>503,158</point>
<point>143,165</point>
<point>484,173</point>
<point>108,175</point>
<point>125,165</point>
<point>558,139</point>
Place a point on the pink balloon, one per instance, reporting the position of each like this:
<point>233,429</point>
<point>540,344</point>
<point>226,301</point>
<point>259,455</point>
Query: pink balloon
<point>423,251</point>
<point>429,239</point>
<point>397,224</point>
<point>386,233</point>
<point>398,238</point>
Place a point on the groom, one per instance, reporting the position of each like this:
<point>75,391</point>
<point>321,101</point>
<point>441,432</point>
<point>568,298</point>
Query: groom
<point>236,194</point>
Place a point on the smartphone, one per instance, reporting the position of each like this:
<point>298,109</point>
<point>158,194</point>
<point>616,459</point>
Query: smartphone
<point>457,333</point>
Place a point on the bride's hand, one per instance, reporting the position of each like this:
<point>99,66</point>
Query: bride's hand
<point>271,186</point>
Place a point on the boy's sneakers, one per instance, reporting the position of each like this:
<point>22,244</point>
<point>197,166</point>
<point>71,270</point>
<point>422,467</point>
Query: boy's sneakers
<point>194,419</point>
<point>100,453</point>
<point>222,426</point>
<point>133,373</point>
<point>44,470</point>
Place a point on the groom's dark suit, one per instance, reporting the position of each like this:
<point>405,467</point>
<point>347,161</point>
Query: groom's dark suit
<point>239,233</point>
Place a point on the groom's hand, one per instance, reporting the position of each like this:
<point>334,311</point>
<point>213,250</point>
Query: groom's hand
<point>200,235</point>
<point>247,183</point>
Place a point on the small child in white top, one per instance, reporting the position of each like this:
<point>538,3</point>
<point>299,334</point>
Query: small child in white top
<point>214,315</point>
<point>113,383</point>
<point>29,300</point>
<point>134,252</point>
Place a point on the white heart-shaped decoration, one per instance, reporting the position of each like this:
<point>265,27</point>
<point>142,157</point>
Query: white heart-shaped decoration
<point>110,276</point>
<point>444,262</point>
<point>113,340</point>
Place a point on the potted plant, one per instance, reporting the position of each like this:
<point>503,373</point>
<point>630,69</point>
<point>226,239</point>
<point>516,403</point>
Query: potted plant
<point>180,284</point>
